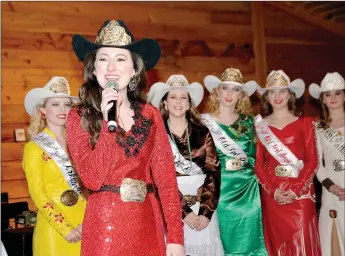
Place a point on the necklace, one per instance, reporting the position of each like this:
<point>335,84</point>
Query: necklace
<point>188,143</point>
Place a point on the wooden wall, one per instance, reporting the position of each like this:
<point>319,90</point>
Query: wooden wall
<point>197,39</point>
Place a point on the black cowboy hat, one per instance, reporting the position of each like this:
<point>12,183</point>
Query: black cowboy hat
<point>114,33</point>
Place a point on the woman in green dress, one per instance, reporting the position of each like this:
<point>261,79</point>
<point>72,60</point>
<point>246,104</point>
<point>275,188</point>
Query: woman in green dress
<point>230,122</point>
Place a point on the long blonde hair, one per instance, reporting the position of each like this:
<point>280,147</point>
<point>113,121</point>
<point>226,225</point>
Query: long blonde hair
<point>37,123</point>
<point>243,105</point>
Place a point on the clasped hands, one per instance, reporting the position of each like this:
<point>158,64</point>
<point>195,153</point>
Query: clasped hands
<point>284,197</point>
<point>75,235</point>
<point>196,222</point>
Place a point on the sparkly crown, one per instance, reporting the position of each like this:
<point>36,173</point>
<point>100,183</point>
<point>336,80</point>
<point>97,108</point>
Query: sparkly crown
<point>177,81</point>
<point>233,75</point>
<point>113,34</point>
<point>60,85</point>
<point>277,78</point>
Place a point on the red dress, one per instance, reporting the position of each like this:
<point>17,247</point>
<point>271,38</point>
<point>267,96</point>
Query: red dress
<point>290,229</point>
<point>112,227</point>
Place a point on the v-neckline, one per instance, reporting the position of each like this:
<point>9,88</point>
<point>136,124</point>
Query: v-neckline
<point>280,129</point>
<point>234,122</point>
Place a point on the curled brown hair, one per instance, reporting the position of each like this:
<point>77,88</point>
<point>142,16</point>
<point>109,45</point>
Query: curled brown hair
<point>192,113</point>
<point>90,95</point>
<point>243,106</point>
<point>266,108</point>
<point>325,119</point>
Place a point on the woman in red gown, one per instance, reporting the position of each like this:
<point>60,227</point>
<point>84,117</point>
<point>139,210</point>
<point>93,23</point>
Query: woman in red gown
<point>125,168</point>
<point>286,161</point>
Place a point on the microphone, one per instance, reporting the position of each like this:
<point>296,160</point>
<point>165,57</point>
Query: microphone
<point>112,113</point>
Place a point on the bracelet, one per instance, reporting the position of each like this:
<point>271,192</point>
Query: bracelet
<point>327,183</point>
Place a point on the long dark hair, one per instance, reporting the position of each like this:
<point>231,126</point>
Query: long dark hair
<point>192,114</point>
<point>266,108</point>
<point>90,95</point>
<point>325,119</point>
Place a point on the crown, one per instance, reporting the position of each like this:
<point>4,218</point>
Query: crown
<point>113,34</point>
<point>177,81</point>
<point>60,85</point>
<point>277,78</point>
<point>233,75</point>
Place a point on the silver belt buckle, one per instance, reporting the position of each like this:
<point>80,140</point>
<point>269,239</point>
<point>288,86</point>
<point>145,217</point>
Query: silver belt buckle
<point>133,190</point>
<point>339,165</point>
<point>283,171</point>
<point>233,165</point>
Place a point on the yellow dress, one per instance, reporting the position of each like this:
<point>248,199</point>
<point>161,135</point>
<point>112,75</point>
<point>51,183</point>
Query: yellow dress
<point>54,220</point>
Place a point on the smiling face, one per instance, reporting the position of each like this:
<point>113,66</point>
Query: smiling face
<point>177,102</point>
<point>56,111</point>
<point>334,99</point>
<point>279,98</point>
<point>114,64</point>
<point>229,95</point>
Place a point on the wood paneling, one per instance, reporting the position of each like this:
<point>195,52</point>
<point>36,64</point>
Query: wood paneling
<point>12,170</point>
<point>15,188</point>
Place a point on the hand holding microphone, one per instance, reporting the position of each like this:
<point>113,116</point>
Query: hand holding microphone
<point>110,100</point>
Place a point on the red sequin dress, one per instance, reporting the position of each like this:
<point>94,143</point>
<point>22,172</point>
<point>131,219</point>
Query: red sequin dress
<point>113,227</point>
<point>290,229</point>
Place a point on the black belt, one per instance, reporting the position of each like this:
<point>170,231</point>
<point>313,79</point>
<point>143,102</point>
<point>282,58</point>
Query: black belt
<point>116,189</point>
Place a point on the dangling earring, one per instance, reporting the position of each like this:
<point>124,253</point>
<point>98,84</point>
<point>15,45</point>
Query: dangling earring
<point>166,108</point>
<point>132,83</point>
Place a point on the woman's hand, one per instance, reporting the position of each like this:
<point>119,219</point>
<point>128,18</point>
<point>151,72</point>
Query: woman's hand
<point>202,223</point>
<point>74,236</point>
<point>338,191</point>
<point>108,95</point>
<point>284,197</point>
<point>175,250</point>
<point>191,219</point>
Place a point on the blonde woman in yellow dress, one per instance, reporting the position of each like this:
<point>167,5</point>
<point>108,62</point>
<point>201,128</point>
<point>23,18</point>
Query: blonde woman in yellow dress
<point>52,182</point>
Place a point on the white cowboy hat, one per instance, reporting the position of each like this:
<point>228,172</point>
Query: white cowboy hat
<point>332,81</point>
<point>158,90</point>
<point>277,79</point>
<point>57,87</point>
<point>230,76</point>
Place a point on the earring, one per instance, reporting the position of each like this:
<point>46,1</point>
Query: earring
<point>132,83</point>
<point>43,116</point>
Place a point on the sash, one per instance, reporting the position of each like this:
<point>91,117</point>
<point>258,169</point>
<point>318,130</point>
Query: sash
<point>333,137</point>
<point>183,165</point>
<point>275,147</point>
<point>59,156</point>
<point>222,141</point>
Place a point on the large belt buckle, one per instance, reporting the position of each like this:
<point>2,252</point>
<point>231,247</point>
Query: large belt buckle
<point>190,200</point>
<point>69,197</point>
<point>133,190</point>
<point>283,171</point>
<point>233,165</point>
<point>338,165</point>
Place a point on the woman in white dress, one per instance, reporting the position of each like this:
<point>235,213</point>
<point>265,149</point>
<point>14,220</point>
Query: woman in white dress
<point>331,151</point>
<point>196,163</point>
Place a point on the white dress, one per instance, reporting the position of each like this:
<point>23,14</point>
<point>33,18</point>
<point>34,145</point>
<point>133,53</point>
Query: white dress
<point>329,201</point>
<point>207,241</point>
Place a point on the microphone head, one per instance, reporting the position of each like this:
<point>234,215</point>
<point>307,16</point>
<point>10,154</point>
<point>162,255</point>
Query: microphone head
<point>112,84</point>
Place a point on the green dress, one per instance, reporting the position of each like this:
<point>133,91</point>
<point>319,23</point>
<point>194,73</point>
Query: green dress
<point>239,207</point>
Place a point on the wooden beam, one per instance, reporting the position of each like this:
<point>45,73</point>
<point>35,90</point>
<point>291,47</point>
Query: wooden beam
<point>304,15</point>
<point>259,42</point>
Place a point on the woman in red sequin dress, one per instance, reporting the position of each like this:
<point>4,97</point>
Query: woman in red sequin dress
<point>125,169</point>
<point>286,162</point>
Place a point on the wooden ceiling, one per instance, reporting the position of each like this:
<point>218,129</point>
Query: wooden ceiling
<point>328,15</point>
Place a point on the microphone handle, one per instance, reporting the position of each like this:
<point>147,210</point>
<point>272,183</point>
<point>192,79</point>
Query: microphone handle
<point>112,114</point>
